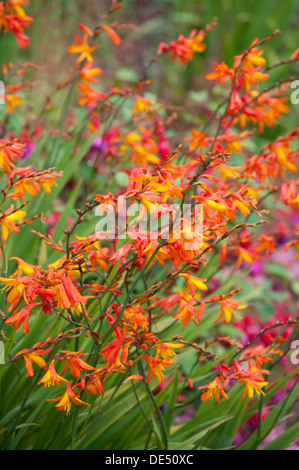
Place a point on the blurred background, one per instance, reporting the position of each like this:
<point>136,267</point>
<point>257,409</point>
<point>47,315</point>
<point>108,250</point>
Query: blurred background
<point>239,23</point>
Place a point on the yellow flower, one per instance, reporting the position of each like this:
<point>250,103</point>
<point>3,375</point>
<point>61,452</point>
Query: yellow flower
<point>7,219</point>
<point>214,388</point>
<point>82,47</point>
<point>51,377</point>
<point>65,400</point>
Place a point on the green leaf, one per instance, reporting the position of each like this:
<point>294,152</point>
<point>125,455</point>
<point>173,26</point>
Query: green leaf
<point>285,439</point>
<point>169,410</point>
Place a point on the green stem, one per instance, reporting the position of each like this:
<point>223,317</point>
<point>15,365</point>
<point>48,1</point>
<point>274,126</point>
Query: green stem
<point>159,413</point>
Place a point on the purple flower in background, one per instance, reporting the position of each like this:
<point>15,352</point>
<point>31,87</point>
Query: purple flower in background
<point>278,397</point>
<point>239,438</point>
<point>99,146</point>
<point>257,268</point>
<point>163,406</point>
<point>97,143</point>
<point>282,240</point>
<point>30,146</point>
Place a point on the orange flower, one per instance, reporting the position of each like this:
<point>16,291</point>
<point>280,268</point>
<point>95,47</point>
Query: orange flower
<point>67,294</point>
<point>133,377</point>
<point>15,6</point>
<point>136,316</point>
<point>53,288</point>
<point>21,317</point>
<point>88,74</point>
<point>65,401</point>
<point>156,367</point>
<point>244,256</point>
<point>83,48</point>
<point>51,377</point>
<point>252,379</point>
<point>15,287</point>
<point>14,19</point>
<point>260,355</point>
<point>252,386</point>
<point>185,47</point>
<point>214,388</point>
<point>120,344</point>
<point>222,71</point>
<point>193,282</point>
<point>7,219</point>
<point>24,267</point>
<point>11,102</point>
<point>94,386</point>
<point>33,357</point>
<point>198,139</point>
<point>143,146</point>
<point>31,182</point>
<point>166,350</point>
<point>75,363</point>
<point>251,77</point>
<point>253,57</point>
<point>186,306</point>
<point>160,256</point>
<point>112,34</point>
<point>8,152</point>
<point>266,243</point>
<point>228,308</point>
<point>89,95</point>
<point>195,42</point>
